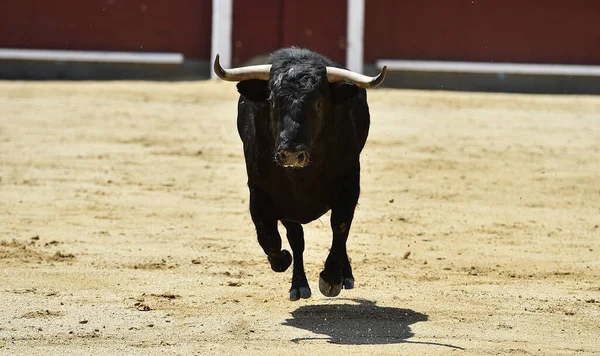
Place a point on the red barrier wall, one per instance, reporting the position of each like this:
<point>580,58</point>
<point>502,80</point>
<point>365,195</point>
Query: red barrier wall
<point>261,26</point>
<point>525,31</point>
<point>182,26</point>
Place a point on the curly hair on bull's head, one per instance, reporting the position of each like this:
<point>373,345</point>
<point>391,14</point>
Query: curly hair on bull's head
<point>293,82</point>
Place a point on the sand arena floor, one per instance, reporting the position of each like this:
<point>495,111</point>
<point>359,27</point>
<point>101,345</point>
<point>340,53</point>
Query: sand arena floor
<point>124,228</point>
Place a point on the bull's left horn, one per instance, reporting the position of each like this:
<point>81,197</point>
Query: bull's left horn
<point>260,72</point>
<point>335,75</point>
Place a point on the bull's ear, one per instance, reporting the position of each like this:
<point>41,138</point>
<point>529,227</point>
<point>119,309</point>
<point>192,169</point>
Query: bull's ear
<point>342,92</point>
<point>253,89</point>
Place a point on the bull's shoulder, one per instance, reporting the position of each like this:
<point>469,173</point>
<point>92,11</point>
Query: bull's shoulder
<point>352,122</point>
<point>252,125</point>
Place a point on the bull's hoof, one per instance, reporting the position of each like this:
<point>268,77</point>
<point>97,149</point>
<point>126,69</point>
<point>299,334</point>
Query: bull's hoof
<point>329,290</point>
<point>297,293</point>
<point>348,283</point>
<point>280,261</point>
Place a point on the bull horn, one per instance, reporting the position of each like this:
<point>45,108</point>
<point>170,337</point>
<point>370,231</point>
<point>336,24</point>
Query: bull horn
<point>260,72</point>
<point>335,75</point>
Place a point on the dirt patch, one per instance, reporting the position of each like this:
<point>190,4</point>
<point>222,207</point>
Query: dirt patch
<point>15,251</point>
<point>42,314</point>
<point>153,265</point>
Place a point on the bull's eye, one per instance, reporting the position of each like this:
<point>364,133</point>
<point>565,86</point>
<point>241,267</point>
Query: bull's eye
<point>319,104</point>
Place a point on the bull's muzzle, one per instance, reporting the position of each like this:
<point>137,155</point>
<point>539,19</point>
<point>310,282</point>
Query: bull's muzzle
<point>292,159</point>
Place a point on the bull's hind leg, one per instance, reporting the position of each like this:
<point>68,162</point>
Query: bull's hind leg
<point>295,235</point>
<point>338,271</point>
<point>269,239</point>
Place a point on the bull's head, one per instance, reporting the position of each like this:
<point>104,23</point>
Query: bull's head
<point>301,96</point>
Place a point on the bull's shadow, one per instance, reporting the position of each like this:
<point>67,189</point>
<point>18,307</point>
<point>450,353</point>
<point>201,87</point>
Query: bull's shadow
<point>359,323</point>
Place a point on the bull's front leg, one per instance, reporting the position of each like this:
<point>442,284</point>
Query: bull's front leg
<point>265,221</point>
<point>338,272</point>
<point>295,235</point>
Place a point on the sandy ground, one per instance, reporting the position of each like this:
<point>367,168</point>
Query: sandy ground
<point>124,228</point>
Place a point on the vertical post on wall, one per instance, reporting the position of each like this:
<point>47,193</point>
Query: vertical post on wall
<point>355,35</point>
<point>221,33</point>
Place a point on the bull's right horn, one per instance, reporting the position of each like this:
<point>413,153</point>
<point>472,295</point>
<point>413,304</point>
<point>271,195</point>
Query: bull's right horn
<point>260,72</point>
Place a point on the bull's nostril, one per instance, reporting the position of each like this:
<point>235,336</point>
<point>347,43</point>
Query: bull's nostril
<point>301,157</point>
<point>281,156</point>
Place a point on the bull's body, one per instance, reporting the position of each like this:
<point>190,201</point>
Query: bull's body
<point>302,140</point>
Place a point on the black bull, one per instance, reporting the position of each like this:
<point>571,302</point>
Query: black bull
<point>303,122</point>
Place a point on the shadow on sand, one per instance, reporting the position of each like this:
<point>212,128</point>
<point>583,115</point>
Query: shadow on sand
<point>359,323</point>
